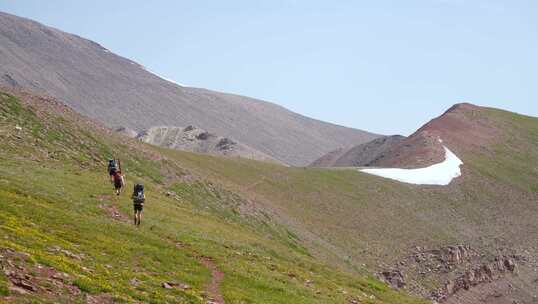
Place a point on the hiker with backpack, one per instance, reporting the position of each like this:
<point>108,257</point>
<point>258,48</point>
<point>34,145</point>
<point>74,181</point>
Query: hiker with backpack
<point>118,181</point>
<point>138,202</point>
<point>116,176</point>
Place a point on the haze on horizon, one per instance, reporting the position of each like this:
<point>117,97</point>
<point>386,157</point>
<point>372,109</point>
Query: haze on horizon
<point>386,67</point>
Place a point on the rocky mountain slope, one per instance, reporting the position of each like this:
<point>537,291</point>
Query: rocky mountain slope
<point>200,141</point>
<point>120,92</point>
<point>363,155</point>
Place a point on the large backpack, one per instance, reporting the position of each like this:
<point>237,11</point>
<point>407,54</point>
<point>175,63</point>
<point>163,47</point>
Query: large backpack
<point>112,166</point>
<point>138,194</point>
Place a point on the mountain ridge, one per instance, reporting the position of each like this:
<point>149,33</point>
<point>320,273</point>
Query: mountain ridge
<point>463,128</point>
<point>120,92</point>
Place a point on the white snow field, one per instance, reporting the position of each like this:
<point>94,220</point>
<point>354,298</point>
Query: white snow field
<point>164,78</point>
<point>438,174</point>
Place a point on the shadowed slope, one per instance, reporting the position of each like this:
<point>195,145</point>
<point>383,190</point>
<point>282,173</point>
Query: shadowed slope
<point>359,156</point>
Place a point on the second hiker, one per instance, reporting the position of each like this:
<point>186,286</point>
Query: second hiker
<point>118,180</point>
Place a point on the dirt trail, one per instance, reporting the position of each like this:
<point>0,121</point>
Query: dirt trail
<point>213,288</point>
<point>111,207</point>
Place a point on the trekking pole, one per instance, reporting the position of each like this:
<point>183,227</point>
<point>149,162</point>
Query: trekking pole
<point>108,175</point>
<point>122,173</point>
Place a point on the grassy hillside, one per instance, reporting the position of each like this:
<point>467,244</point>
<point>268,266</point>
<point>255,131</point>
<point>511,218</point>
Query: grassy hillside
<point>66,238</point>
<point>378,205</point>
<point>353,219</point>
<point>514,160</point>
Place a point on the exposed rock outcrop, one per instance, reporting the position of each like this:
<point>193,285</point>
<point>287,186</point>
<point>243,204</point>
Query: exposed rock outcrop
<point>477,275</point>
<point>394,278</point>
<point>446,258</point>
<point>194,139</point>
<point>127,132</point>
<point>455,268</point>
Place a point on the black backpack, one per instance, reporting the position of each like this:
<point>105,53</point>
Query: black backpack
<point>138,194</point>
<point>112,166</point>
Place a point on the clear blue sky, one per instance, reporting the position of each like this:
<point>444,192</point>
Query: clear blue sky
<point>383,66</point>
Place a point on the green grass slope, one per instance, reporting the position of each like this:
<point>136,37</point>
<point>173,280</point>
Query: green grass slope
<point>65,238</point>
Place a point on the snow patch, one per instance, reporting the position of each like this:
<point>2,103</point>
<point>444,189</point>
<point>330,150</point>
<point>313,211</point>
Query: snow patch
<point>167,79</point>
<point>438,174</point>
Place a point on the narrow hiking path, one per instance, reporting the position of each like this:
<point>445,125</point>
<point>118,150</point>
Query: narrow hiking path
<point>213,287</point>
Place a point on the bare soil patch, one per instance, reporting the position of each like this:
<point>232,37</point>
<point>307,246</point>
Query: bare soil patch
<point>114,212</point>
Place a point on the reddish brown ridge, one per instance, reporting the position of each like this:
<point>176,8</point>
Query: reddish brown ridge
<point>462,128</point>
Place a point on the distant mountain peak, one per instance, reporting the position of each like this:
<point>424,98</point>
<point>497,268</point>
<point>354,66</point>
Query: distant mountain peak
<point>463,127</point>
